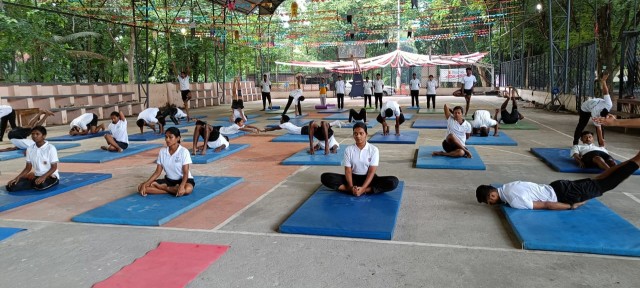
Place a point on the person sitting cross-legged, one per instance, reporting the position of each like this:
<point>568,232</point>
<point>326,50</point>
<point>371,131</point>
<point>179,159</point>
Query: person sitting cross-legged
<point>458,131</point>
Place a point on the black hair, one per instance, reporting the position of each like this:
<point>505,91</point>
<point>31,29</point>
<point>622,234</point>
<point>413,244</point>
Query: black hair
<point>482,193</point>
<point>40,129</point>
<point>115,113</point>
<point>414,74</point>
<point>430,75</point>
<point>484,131</point>
<point>388,112</point>
<point>586,132</point>
<point>360,125</point>
<point>285,118</point>
<point>458,107</point>
<point>301,98</point>
<point>604,112</point>
<point>234,104</point>
<point>237,120</point>
<point>377,74</point>
<point>468,68</point>
<point>162,121</point>
<point>173,131</point>
<point>140,123</point>
<point>366,77</point>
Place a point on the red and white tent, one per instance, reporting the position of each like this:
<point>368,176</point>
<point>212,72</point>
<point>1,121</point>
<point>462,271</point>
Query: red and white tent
<point>396,58</point>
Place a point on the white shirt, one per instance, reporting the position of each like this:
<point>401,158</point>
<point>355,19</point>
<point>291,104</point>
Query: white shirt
<point>228,130</point>
<point>266,86</point>
<point>332,142</point>
<point>291,128</point>
<point>482,118</point>
<point>22,144</point>
<point>119,131</point>
<point>582,149</point>
<point>82,121</point>
<point>521,195</point>
<point>361,160</point>
<point>41,158</point>
<point>184,83</point>
<point>390,104</point>
<point>458,130</point>
<point>149,115</point>
<point>172,164</point>
<point>378,85</point>
<point>180,114</point>
<point>5,110</point>
<point>431,87</point>
<point>296,94</point>
<point>469,81</point>
<point>596,105</point>
<point>237,113</point>
<point>340,87</point>
<point>367,87</point>
<point>219,142</point>
<point>415,84</point>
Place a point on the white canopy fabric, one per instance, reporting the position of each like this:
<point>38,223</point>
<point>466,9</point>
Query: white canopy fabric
<point>396,58</point>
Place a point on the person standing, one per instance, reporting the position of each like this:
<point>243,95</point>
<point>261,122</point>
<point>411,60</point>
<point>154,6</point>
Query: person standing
<point>266,92</point>
<point>415,91</point>
<point>378,88</point>
<point>323,92</point>
<point>432,85</point>
<point>368,87</point>
<point>340,92</point>
<point>468,82</point>
<point>183,79</point>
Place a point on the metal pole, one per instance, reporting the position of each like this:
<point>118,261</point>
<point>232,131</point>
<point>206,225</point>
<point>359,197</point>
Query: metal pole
<point>566,50</point>
<point>398,48</point>
<point>551,78</point>
<point>511,63</point>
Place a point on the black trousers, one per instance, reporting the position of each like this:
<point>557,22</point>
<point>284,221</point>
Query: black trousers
<point>414,97</point>
<point>582,123</point>
<point>433,99</point>
<point>362,115</point>
<point>570,192</point>
<point>289,105</point>
<point>377,98</point>
<point>265,96</point>
<point>26,184</point>
<point>340,97</point>
<point>379,184</point>
<point>9,118</point>
<point>383,119</point>
<point>367,97</point>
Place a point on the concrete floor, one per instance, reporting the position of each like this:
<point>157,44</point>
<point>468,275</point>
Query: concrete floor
<point>443,237</point>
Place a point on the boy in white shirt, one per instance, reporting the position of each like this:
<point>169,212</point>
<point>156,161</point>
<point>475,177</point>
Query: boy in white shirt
<point>266,92</point>
<point>340,92</point>
<point>390,109</point>
<point>415,91</point>
<point>322,132</point>
<point>368,91</point>
<point>589,155</point>
<point>84,124</point>
<point>118,140</point>
<point>458,131</point>
<point>468,82</point>
<point>378,90</point>
<point>432,85</point>
<point>482,123</point>
<point>42,157</point>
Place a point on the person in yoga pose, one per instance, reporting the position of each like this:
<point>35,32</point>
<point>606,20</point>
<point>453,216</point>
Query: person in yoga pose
<point>7,115</point>
<point>84,124</point>
<point>458,131</point>
<point>358,116</point>
<point>213,139</point>
<point>594,108</point>
<point>296,98</point>
<point>510,117</point>
<point>185,92</point>
<point>151,116</point>
<point>118,140</point>
<point>360,164</point>
<point>20,137</point>
<point>482,123</point>
<point>322,132</point>
<point>560,194</point>
<point>237,104</point>
<point>468,83</point>
<point>42,158</point>
<point>174,160</point>
<point>390,109</point>
<point>588,155</point>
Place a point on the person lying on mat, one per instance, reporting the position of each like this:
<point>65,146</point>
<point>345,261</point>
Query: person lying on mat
<point>458,131</point>
<point>20,137</point>
<point>152,116</point>
<point>482,123</point>
<point>118,140</point>
<point>360,165</point>
<point>174,160</point>
<point>560,194</point>
<point>589,155</point>
<point>390,109</point>
<point>42,158</point>
<point>84,124</point>
<point>214,139</point>
<point>514,116</point>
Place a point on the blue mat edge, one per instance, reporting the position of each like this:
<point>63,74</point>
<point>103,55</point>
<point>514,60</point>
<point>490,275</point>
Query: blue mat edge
<point>108,158</point>
<point>396,142</point>
<point>239,148</point>
<point>9,232</point>
<point>534,151</point>
<point>470,148</point>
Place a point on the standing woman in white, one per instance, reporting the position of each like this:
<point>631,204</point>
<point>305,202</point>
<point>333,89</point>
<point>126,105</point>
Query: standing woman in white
<point>340,92</point>
<point>378,88</point>
<point>432,85</point>
<point>415,91</point>
<point>266,92</point>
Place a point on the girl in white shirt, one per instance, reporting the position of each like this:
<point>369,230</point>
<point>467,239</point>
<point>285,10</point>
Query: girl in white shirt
<point>174,160</point>
<point>43,159</point>
<point>118,140</point>
<point>368,91</point>
<point>378,90</point>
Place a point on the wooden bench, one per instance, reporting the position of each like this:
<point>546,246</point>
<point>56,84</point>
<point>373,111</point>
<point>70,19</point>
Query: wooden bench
<point>203,98</point>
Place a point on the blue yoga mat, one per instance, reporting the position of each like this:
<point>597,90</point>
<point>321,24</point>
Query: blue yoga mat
<point>592,228</point>
<point>77,137</point>
<point>331,213</point>
<point>226,119</point>
<point>560,160</point>
<point>275,109</point>
<point>407,116</point>
<point>189,138</point>
<point>412,108</point>
<point>101,156</point>
<point>6,232</point>
<point>501,140</point>
<point>350,125</point>
<point>332,111</point>
<point>304,158</point>
<point>297,122</point>
<point>227,123</point>
<point>149,135</point>
<point>426,161</point>
<point>406,137</point>
<point>213,156</point>
<point>20,153</point>
<point>182,124</point>
<point>337,116</point>
<point>291,116</point>
<point>68,182</point>
<point>430,124</point>
<point>155,210</point>
<point>291,138</point>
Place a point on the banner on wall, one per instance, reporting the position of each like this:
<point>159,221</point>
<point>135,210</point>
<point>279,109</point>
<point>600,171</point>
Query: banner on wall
<point>452,75</point>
